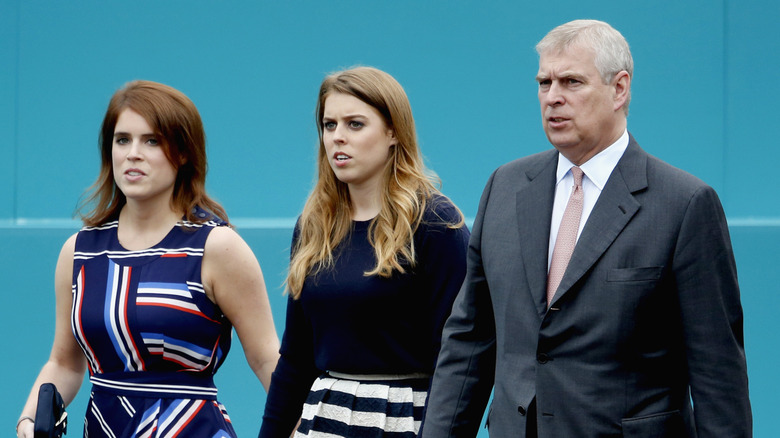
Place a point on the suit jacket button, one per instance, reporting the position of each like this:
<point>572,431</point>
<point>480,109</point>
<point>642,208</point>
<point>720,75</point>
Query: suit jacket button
<point>542,358</point>
<point>521,410</point>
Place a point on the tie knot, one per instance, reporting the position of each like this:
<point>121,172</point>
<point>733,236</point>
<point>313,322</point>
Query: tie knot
<point>577,173</point>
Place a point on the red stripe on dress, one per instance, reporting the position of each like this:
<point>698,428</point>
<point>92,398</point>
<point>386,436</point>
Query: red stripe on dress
<point>183,309</point>
<point>194,414</point>
<point>99,369</point>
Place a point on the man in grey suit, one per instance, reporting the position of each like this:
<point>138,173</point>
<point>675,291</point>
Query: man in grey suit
<point>646,316</point>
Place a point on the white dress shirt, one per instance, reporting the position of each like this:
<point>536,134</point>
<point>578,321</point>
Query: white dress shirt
<point>597,171</point>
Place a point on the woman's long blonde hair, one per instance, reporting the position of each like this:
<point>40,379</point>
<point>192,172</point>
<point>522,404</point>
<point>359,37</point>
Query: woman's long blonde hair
<point>407,187</point>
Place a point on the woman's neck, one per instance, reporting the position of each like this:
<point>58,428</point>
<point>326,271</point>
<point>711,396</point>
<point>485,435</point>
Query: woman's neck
<point>366,202</point>
<point>142,228</point>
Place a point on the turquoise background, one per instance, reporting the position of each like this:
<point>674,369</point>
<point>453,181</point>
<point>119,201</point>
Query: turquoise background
<point>705,98</point>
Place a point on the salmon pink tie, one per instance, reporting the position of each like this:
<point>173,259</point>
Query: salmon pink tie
<point>567,236</point>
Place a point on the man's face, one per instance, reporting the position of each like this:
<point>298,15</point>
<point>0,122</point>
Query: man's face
<point>581,115</point>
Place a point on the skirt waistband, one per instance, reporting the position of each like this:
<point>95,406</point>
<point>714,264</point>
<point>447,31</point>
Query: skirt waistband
<point>378,377</point>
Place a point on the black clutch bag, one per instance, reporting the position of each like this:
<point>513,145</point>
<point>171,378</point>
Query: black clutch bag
<point>51,420</point>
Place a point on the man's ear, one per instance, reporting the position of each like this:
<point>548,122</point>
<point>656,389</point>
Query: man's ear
<point>622,84</point>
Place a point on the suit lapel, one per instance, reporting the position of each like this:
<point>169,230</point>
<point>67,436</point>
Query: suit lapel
<point>613,210</point>
<point>534,202</point>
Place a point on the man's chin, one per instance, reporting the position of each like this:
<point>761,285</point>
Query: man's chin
<point>561,142</point>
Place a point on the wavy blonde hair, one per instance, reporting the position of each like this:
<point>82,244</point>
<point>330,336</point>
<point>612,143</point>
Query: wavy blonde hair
<point>407,188</point>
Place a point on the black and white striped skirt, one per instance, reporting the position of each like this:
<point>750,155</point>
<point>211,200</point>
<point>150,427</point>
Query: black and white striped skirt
<point>364,406</point>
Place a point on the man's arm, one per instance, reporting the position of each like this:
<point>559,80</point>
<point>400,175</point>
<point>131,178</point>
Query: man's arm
<point>465,370</point>
<point>706,277</point>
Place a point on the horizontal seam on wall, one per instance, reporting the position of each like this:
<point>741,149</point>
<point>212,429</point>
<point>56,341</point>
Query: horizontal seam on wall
<point>284,223</point>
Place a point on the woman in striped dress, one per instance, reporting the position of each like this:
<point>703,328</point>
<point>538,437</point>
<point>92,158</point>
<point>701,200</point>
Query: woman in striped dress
<point>378,256</point>
<point>149,290</point>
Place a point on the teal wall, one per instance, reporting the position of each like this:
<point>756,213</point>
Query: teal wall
<point>704,99</point>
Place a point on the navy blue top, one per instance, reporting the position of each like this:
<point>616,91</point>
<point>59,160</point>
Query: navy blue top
<point>351,323</point>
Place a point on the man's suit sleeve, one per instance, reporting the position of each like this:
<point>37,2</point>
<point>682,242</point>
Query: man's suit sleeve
<point>708,291</point>
<point>465,370</point>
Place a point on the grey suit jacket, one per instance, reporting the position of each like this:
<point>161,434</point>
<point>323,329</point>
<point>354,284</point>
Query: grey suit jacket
<point>647,315</point>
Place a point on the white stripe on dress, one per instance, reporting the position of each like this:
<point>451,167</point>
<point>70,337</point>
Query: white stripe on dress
<point>360,418</point>
<point>369,390</point>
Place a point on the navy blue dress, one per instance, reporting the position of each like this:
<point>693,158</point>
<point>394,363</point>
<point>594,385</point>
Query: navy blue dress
<point>347,322</point>
<point>152,338</point>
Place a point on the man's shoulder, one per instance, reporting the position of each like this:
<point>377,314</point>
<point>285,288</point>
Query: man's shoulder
<point>660,170</point>
<point>659,174</point>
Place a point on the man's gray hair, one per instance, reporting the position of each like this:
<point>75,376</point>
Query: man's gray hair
<point>612,54</point>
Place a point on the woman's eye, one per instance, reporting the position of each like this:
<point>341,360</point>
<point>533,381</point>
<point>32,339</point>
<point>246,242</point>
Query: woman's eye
<point>153,141</point>
<point>122,140</point>
<point>355,124</point>
<point>330,126</point>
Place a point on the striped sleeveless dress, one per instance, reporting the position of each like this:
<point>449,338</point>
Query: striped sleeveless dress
<point>152,338</point>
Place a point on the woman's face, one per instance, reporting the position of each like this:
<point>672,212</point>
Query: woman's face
<point>357,141</point>
<point>142,171</point>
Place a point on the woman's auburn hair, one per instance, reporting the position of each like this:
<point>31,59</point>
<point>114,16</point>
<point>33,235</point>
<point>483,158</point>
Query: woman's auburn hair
<point>177,124</point>
<point>407,188</point>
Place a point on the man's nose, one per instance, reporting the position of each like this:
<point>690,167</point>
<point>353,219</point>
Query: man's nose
<point>554,95</point>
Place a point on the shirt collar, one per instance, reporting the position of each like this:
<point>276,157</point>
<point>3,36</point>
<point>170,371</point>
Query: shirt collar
<point>600,166</point>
